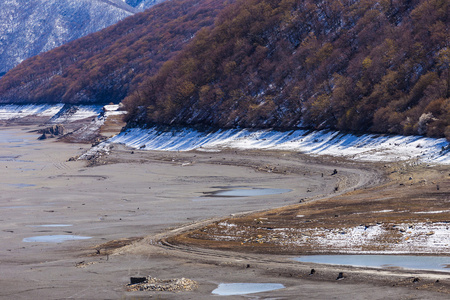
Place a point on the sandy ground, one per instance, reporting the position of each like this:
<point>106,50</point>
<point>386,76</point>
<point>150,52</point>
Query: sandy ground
<point>146,194</point>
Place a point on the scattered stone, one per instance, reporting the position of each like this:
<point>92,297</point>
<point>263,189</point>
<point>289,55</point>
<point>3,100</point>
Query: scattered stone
<point>167,285</point>
<point>334,172</point>
<point>312,272</point>
<point>84,264</point>
<point>416,279</point>
<point>340,276</point>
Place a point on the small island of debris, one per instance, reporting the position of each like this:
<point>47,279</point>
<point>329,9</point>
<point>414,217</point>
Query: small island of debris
<point>167,285</point>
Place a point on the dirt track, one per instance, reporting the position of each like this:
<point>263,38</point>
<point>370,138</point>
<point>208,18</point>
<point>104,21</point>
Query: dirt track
<point>146,194</point>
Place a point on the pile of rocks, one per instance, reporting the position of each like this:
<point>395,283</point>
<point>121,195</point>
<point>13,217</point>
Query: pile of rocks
<point>168,285</point>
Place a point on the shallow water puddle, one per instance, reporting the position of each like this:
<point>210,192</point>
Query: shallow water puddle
<point>246,192</point>
<point>21,185</point>
<point>51,225</point>
<point>54,238</point>
<point>230,289</point>
<point>14,158</point>
<point>9,157</point>
<point>439,263</point>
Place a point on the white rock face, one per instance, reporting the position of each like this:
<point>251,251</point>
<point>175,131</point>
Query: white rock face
<point>29,27</point>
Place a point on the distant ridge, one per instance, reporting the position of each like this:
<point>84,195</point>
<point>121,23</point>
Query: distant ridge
<point>30,27</point>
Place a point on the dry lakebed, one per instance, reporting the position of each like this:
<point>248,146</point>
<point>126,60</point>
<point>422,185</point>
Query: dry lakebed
<point>232,224</point>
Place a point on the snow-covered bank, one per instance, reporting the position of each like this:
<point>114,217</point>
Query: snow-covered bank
<point>11,111</point>
<point>56,113</point>
<point>367,147</point>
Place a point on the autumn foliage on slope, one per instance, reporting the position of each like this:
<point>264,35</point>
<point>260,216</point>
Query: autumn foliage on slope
<point>103,67</point>
<point>359,65</point>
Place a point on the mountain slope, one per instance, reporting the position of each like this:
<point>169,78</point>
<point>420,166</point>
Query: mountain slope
<point>104,66</point>
<point>30,27</point>
<point>368,65</point>
<point>379,66</point>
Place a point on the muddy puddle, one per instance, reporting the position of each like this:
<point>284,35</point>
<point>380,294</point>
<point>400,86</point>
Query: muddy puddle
<point>435,263</point>
<point>54,238</point>
<point>232,289</point>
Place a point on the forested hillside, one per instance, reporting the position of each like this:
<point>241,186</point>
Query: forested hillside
<point>28,27</point>
<point>379,66</point>
<point>103,66</point>
<point>358,65</point>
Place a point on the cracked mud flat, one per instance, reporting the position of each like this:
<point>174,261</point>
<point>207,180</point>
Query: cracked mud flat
<point>144,198</point>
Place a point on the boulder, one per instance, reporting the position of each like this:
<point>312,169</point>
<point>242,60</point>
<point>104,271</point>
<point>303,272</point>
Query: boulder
<point>52,131</point>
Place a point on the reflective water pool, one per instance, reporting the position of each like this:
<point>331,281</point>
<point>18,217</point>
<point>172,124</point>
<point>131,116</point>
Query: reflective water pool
<point>51,225</point>
<point>21,185</point>
<point>229,289</point>
<point>246,192</point>
<point>441,263</point>
<point>54,238</point>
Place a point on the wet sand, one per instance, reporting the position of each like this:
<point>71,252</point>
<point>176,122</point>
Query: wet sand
<point>144,194</point>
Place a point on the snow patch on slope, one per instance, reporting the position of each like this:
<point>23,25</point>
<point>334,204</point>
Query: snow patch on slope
<point>56,113</point>
<point>74,113</point>
<point>400,238</point>
<point>9,112</point>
